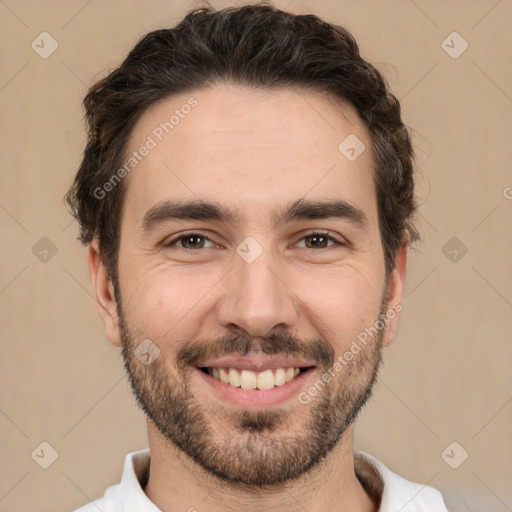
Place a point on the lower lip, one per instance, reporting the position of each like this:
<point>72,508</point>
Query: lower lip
<point>256,397</point>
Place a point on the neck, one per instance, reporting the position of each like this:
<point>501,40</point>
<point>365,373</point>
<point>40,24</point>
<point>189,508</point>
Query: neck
<point>177,483</point>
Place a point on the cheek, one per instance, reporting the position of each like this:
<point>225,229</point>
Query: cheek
<point>343,303</point>
<point>163,302</point>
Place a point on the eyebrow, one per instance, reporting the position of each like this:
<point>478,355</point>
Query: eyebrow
<point>300,209</point>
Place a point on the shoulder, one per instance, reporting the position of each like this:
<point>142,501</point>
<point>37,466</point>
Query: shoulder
<point>397,493</point>
<point>128,495</point>
<point>92,506</point>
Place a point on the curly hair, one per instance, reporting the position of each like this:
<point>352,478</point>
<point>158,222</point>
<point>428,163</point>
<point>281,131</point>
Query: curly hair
<point>258,46</point>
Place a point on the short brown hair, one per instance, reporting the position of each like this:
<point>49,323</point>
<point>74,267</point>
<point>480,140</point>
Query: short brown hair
<point>258,46</point>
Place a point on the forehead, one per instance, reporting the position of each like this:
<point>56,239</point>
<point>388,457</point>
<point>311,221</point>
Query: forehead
<point>248,149</point>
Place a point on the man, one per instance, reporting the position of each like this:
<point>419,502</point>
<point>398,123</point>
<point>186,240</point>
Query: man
<point>246,194</point>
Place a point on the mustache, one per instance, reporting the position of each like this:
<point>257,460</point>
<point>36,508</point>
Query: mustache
<point>281,342</point>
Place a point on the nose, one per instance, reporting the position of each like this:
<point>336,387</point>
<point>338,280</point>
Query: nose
<point>256,297</point>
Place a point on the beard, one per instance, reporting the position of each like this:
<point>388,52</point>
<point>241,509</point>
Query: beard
<point>250,448</point>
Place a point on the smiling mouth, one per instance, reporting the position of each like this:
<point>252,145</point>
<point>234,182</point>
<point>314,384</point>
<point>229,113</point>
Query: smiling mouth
<point>247,379</point>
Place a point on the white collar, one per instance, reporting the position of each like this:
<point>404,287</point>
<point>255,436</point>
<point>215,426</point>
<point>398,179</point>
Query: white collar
<point>398,494</point>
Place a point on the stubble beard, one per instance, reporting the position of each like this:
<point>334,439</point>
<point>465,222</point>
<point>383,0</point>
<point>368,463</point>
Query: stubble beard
<point>251,448</point>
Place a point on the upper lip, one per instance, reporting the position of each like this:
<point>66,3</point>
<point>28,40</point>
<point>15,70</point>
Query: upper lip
<point>255,363</point>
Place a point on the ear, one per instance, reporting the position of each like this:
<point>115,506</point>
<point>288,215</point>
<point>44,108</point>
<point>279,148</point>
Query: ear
<point>395,291</point>
<point>104,293</point>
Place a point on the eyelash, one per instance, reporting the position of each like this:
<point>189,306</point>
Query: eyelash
<point>325,234</point>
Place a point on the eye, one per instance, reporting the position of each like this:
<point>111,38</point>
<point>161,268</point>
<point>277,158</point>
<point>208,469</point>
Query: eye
<point>194,241</point>
<point>189,241</point>
<point>319,239</point>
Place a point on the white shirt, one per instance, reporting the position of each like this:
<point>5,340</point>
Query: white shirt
<point>397,494</point>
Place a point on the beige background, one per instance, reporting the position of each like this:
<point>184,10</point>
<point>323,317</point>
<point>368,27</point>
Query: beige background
<point>447,375</point>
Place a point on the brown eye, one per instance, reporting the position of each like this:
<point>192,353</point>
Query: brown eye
<point>319,240</point>
<point>189,241</point>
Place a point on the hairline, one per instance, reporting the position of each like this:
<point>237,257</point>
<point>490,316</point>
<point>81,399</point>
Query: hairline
<point>322,90</point>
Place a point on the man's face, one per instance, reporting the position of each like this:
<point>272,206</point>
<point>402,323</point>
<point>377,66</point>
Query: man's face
<point>257,293</point>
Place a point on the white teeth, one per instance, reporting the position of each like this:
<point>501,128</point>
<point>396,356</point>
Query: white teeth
<point>265,379</point>
<point>280,377</point>
<point>234,378</point>
<point>223,374</point>
<point>247,379</point>
<point>289,374</point>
